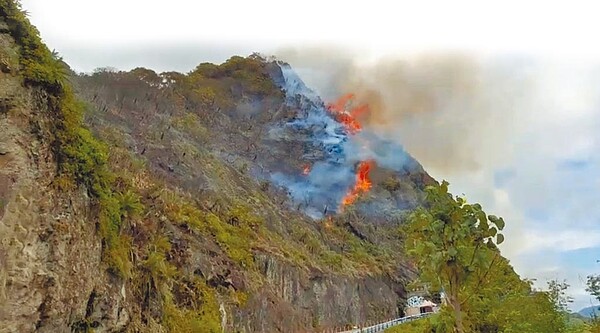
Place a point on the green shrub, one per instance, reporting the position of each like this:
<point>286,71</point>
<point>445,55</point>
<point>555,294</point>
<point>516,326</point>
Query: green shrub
<point>332,259</point>
<point>130,205</point>
<point>156,267</point>
<point>203,318</point>
<point>417,326</point>
<point>117,247</point>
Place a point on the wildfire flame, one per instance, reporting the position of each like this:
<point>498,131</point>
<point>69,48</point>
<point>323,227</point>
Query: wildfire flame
<point>363,182</point>
<point>306,170</point>
<point>347,114</point>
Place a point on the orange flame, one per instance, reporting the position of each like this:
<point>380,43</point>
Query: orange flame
<point>306,170</point>
<point>363,182</point>
<point>345,113</point>
<point>328,222</point>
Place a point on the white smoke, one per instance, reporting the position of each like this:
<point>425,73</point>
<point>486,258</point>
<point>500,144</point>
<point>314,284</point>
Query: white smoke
<point>333,174</point>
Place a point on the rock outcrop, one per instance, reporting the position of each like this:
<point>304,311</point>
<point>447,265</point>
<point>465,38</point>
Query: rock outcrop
<point>186,231</point>
<point>51,272</point>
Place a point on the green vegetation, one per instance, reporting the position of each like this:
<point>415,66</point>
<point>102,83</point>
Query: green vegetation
<point>83,160</point>
<point>452,244</point>
<point>448,241</point>
<point>593,287</point>
<point>417,326</point>
<point>219,86</point>
<point>143,220</point>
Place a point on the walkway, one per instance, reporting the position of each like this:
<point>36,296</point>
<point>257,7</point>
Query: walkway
<point>385,325</point>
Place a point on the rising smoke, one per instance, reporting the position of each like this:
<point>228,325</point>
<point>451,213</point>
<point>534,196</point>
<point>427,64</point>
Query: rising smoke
<point>451,112</point>
<point>442,108</point>
<point>332,178</point>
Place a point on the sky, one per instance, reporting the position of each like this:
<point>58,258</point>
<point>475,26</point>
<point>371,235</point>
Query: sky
<point>527,131</point>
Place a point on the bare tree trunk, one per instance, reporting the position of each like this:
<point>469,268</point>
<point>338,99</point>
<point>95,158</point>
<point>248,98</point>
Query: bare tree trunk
<point>458,324</point>
<point>454,301</point>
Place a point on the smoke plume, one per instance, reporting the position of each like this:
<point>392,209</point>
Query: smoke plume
<point>441,108</point>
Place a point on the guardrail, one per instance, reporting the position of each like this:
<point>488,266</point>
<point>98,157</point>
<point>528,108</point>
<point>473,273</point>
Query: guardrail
<point>385,325</point>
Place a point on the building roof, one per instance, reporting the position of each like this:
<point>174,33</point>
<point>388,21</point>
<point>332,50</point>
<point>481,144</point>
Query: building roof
<point>427,303</point>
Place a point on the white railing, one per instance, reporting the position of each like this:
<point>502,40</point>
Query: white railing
<point>385,325</point>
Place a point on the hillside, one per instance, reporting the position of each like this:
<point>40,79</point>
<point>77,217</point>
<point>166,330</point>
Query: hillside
<point>228,199</point>
<point>144,202</point>
<point>589,312</point>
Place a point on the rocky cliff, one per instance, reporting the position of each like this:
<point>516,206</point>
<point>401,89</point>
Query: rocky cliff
<point>180,209</point>
<point>51,273</point>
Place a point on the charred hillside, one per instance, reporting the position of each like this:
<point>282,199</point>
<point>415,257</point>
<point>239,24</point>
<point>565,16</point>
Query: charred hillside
<point>201,202</point>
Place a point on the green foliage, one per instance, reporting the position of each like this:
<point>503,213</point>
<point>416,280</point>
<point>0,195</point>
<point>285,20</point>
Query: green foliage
<point>235,238</point>
<point>593,286</point>
<point>505,303</point>
<point>593,327</point>
<point>212,85</point>
<point>205,95</point>
<point>147,75</point>
<point>450,241</point>
<point>81,158</point>
<point>129,203</point>
<point>243,216</point>
<point>333,260</point>
<point>117,246</point>
<point>200,318</point>
<point>558,295</point>
<point>416,326</point>
<point>207,70</point>
<point>38,65</point>
<point>156,267</point>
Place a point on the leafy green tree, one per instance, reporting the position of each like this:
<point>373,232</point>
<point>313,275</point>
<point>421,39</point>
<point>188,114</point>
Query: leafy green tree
<point>593,287</point>
<point>509,305</point>
<point>449,241</point>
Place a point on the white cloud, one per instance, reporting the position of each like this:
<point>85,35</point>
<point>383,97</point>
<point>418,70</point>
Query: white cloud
<point>560,241</point>
<point>375,28</point>
<point>550,199</point>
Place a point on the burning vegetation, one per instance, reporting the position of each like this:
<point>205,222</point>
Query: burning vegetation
<point>363,182</point>
<point>347,112</point>
<point>306,170</point>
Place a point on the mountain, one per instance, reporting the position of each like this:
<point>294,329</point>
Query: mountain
<point>590,311</point>
<point>231,198</point>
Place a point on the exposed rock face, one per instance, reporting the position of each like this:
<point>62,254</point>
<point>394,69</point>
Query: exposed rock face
<point>297,300</point>
<point>51,276</point>
<point>305,276</point>
<point>294,298</point>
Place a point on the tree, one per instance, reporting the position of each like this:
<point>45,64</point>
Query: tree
<point>557,292</point>
<point>593,286</point>
<point>451,242</point>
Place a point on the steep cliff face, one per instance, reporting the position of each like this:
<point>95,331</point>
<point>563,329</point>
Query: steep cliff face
<point>304,274</point>
<point>175,222</point>
<point>304,300</point>
<point>51,273</point>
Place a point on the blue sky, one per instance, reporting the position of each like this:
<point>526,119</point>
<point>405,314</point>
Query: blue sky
<point>524,143</point>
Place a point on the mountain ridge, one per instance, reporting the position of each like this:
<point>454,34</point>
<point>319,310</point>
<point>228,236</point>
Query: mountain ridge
<point>590,311</point>
<point>159,218</point>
